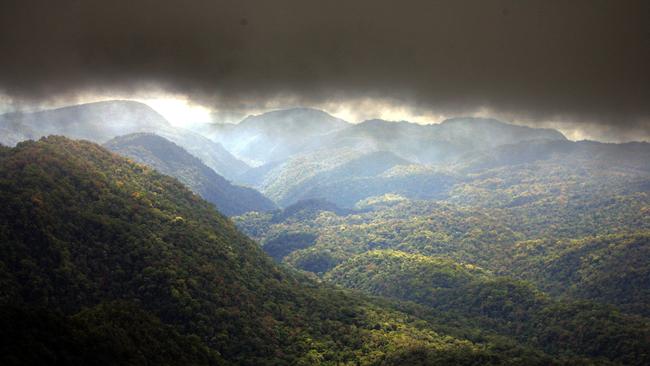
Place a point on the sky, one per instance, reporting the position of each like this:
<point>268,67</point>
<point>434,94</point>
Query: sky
<point>579,66</point>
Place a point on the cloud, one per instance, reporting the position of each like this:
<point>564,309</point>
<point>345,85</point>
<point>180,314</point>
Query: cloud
<point>578,62</point>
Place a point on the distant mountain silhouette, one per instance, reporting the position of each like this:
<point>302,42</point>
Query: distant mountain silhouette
<point>102,121</point>
<point>276,135</point>
<point>436,143</point>
<point>303,153</point>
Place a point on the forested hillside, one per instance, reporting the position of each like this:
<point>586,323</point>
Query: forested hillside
<point>105,261</point>
<point>527,253</point>
<point>539,242</point>
<point>506,306</point>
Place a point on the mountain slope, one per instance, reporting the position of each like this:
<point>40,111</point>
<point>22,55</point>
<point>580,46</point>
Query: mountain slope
<point>343,177</point>
<point>82,228</point>
<point>511,307</point>
<point>402,275</point>
<point>435,143</point>
<point>93,121</point>
<point>116,333</point>
<point>347,176</point>
<point>611,269</point>
<point>276,135</point>
<point>488,132</point>
<point>102,121</point>
<point>168,158</point>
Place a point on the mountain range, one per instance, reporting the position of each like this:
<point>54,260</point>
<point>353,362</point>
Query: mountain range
<point>306,153</point>
<point>102,121</point>
<point>278,135</point>
<point>298,153</point>
<point>469,242</point>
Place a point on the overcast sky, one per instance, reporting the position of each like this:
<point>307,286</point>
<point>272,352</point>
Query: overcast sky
<point>581,66</point>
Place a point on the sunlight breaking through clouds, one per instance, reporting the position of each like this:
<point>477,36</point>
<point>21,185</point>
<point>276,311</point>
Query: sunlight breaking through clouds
<point>180,111</point>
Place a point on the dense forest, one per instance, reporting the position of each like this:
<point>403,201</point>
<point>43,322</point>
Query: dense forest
<point>106,261</point>
<point>545,242</point>
<point>325,183</point>
<point>506,246</point>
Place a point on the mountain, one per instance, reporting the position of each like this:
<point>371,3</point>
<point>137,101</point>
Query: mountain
<point>482,217</point>
<point>106,261</point>
<point>410,141</point>
<point>346,177</point>
<point>170,159</point>
<point>436,143</point>
<point>466,235</point>
<point>347,163</point>
<point>489,132</point>
<point>564,220</point>
<point>403,275</point>
<point>413,181</point>
<point>284,243</point>
<point>314,176</point>
<point>113,333</point>
<point>93,121</point>
<point>469,242</point>
<point>102,121</point>
<point>552,175</point>
<point>276,180</point>
<point>276,135</point>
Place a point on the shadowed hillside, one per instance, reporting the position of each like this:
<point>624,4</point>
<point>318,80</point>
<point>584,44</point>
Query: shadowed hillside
<point>169,158</point>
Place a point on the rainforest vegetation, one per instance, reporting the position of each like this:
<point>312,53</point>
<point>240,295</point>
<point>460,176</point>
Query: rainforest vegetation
<point>527,253</point>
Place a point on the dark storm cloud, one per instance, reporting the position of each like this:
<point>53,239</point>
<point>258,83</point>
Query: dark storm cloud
<point>581,61</point>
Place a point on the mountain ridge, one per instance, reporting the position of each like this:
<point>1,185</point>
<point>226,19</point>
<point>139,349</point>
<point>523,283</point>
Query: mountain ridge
<point>102,121</point>
<point>169,158</point>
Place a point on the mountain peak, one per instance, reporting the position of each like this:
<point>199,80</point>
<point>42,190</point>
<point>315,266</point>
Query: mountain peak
<point>114,106</point>
<point>276,135</point>
<point>302,115</point>
<point>98,121</point>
